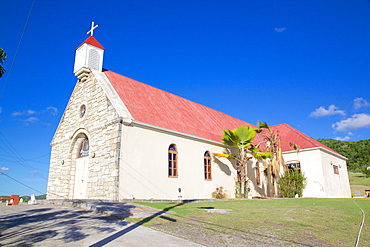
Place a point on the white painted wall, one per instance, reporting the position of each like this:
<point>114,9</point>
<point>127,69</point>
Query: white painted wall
<point>144,167</point>
<point>316,164</point>
<point>88,56</point>
<point>337,185</point>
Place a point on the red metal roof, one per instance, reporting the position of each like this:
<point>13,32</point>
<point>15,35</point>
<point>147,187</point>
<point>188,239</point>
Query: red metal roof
<point>92,41</point>
<point>154,106</point>
<point>289,134</point>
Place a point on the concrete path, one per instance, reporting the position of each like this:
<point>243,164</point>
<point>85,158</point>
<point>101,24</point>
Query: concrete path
<point>55,225</point>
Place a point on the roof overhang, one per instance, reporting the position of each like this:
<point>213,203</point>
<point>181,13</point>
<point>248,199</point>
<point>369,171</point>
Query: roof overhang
<point>172,132</point>
<point>320,149</point>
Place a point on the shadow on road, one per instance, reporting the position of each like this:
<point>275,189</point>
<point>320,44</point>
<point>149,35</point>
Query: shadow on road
<point>22,227</point>
<point>134,226</point>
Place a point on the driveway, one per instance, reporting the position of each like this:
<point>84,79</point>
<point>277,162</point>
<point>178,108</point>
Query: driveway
<point>51,225</point>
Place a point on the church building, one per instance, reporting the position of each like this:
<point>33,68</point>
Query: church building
<point>122,139</point>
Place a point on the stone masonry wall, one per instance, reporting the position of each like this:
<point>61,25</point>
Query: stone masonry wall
<point>102,126</point>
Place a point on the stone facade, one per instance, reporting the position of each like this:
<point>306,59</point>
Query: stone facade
<point>102,126</point>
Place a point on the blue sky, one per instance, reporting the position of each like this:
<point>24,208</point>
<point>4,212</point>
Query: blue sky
<point>305,63</point>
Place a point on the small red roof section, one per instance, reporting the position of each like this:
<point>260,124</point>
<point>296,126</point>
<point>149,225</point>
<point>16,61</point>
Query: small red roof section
<point>156,107</point>
<point>92,41</point>
<point>289,134</point>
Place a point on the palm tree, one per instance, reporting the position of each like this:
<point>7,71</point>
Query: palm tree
<point>242,139</point>
<point>273,165</point>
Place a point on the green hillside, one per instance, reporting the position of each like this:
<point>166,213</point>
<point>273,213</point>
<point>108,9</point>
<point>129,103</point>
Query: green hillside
<point>358,153</point>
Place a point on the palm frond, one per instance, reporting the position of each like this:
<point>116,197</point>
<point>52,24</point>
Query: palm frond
<point>221,155</point>
<point>245,135</point>
<point>254,149</point>
<point>262,155</point>
<point>295,146</point>
<point>263,125</point>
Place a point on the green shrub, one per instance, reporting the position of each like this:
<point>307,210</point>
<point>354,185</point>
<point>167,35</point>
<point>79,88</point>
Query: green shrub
<point>291,183</point>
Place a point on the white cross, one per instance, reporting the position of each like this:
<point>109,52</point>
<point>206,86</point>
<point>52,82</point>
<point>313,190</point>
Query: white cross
<point>91,31</point>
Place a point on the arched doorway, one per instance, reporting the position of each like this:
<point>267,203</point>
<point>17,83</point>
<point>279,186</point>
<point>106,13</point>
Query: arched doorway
<point>81,172</point>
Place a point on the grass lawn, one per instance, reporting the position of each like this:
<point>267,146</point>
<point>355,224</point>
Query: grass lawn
<point>358,181</point>
<point>273,222</point>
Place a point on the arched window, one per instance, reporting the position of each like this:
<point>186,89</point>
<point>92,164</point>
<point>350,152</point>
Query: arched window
<point>207,166</point>
<point>82,110</point>
<point>172,161</point>
<point>84,148</point>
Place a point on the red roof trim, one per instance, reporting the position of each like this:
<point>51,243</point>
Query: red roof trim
<point>92,41</point>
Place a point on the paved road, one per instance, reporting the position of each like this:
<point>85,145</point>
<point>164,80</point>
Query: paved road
<point>51,225</point>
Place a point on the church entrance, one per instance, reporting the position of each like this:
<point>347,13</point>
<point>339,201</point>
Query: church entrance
<point>81,173</point>
<point>81,178</point>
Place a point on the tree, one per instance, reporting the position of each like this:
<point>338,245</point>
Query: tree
<point>366,171</point>
<point>272,166</point>
<point>242,139</point>
<point>2,60</point>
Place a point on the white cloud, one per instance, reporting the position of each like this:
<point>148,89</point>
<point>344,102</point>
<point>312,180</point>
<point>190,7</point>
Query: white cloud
<point>4,168</point>
<point>355,122</point>
<point>359,103</point>
<point>24,113</point>
<point>31,120</point>
<point>342,138</point>
<point>280,29</point>
<point>52,110</point>
<point>322,112</point>
<point>34,172</point>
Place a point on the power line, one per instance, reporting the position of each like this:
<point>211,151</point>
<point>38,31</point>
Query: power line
<point>21,182</point>
<point>22,161</point>
<point>31,187</point>
<point>34,160</point>
<point>16,51</point>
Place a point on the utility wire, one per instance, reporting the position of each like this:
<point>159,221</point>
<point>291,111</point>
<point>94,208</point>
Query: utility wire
<point>21,183</point>
<point>31,187</point>
<point>22,161</point>
<point>16,51</point>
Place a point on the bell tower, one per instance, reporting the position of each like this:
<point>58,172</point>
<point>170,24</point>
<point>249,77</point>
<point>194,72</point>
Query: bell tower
<point>89,55</point>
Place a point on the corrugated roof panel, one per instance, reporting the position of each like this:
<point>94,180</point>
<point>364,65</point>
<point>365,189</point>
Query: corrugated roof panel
<point>289,134</point>
<point>154,106</point>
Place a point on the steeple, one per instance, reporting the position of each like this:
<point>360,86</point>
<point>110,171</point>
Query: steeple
<point>89,55</point>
